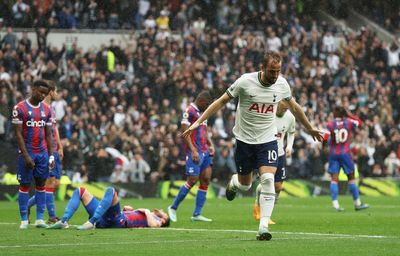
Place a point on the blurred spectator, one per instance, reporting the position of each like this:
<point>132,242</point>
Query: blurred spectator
<point>21,14</point>
<point>82,175</point>
<point>137,169</point>
<point>392,164</point>
<point>9,40</point>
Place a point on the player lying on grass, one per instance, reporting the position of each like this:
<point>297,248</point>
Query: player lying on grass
<point>107,213</point>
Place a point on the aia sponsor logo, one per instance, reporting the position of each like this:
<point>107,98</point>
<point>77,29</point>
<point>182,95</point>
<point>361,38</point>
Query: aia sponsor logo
<point>32,123</point>
<point>262,108</point>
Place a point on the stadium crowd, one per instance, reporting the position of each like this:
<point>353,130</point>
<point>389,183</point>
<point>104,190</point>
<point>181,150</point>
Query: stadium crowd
<point>131,98</point>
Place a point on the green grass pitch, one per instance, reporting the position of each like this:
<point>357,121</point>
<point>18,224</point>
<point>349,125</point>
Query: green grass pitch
<point>304,227</point>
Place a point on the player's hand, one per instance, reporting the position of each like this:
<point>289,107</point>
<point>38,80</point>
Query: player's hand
<point>60,153</point>
<point>195,157</point>
<point>29,162</point>
<point>127,208</point>
<point>51,162</point>
<point>288,152</point>
<point>316,134</point>
<point>211,150</point>
<point>189,130</point>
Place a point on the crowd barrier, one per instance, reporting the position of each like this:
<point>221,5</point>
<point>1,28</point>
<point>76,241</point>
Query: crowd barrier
<point>169,189</point>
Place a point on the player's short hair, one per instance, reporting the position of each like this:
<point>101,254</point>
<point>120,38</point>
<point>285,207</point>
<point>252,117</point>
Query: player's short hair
<point>51,85</point>
<point>205,95</point>
<point>339,111</point>
<point>273,57</point>
<point>41,83</point>
<point>166,224</point>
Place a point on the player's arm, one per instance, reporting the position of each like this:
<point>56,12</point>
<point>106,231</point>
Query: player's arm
<point>210,145</point>
<point>211,110</point>
<point>49,145</point>
<point>59,144</point>
<point>355,119</point>
<point>188,140</point>
<point>21,145</point>
<point>17,120</point>
<point>301,116</point>
<point>152,222</point>
<point>289,143</point>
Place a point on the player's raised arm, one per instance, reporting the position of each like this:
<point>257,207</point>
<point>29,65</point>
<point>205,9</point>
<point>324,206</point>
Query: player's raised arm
<point>301,116</point>
<point>211,110</point>
<point>355,119</point>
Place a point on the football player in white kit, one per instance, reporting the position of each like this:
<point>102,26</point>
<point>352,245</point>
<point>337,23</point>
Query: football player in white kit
<point>256,147</point>
<point>286,125</point>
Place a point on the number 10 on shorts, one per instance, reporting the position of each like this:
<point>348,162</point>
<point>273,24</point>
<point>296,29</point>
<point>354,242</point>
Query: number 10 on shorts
<point>272,156</point>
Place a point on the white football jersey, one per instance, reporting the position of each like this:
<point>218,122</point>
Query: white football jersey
<point>285,124</point>
<point>257,106</point>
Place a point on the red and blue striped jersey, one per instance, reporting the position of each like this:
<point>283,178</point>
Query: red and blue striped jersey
<point>53,126</point>
<point>341,131</point>
<point>33,120</point>
<point>198,136</point>
<point>135,219</point>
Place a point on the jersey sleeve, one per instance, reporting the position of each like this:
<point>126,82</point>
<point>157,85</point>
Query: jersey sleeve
<point>17,115</point>
<point>187,117</point>
<point>48,117</point>
<point>354,120</point>
<point>287,92</point>
<point>292,127</point>
<point>234,90</point>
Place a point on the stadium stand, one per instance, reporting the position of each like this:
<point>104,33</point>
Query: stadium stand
<point>131,98</point>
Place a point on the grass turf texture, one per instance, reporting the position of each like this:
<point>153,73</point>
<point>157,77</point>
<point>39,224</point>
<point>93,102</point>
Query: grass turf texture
<point>304,227</point>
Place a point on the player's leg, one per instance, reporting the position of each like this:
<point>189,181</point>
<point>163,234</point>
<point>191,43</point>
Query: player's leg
<point>205,177</point>
<point>192,174</point>
<point>280,176</point>
<point>41,173</point>
<point>348,167</point>
<point>256,205</point>
<point>31,202</point>
<point>24,176</point>
<point>109,199</point>
<point>267,162</point>
<point>245,158</point>
<point>52,183</point>
<point>333,169</point>
<point>79,195</point>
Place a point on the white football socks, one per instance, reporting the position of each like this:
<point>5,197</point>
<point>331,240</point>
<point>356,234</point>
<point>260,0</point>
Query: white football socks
<point>235,183</point>
<point>267,198</point>
<point>335,204</point>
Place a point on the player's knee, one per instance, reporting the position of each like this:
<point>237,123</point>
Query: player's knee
<point>40,182</point>
<point>205,181</point>
<point>81,191</point>
<point>267,182</point>
<point>110,190</point>
<point>191,181</point>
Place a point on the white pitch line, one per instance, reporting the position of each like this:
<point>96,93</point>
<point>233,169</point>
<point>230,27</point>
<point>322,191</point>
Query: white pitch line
<point>252,231</point>
<point>279,232</point>
<point>105,243</point>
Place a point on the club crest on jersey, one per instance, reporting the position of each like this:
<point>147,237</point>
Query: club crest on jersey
<point>42,113</point>
<point>262,108</point>
<point>29,113</point>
